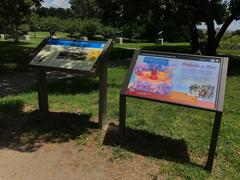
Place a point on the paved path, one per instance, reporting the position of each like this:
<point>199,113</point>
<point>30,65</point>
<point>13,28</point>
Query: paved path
<point>17,83</point>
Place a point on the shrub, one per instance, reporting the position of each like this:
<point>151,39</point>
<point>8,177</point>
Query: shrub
<point>24,28</point>
<point>72,26</point>
<point>51,24</point>
<point>90,27</point>
<point>237,32</point>
<point>109,32</point>
<point>230,42</point>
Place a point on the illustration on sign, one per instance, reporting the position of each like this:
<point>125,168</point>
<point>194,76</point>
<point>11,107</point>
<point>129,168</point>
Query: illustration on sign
<point>181,81</point>
<point>78,55</point>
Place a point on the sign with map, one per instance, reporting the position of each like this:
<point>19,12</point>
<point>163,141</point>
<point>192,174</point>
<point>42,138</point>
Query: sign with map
<point>192,82</point>
<point>69,54</point>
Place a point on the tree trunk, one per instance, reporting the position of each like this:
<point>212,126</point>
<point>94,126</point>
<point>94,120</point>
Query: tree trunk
<point>223,29</point>
<point>210,48</point>
<point>194,37</point>
<point>16,35</point>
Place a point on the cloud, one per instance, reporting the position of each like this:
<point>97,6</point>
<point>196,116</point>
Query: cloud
<point>56,3</point>
<point>235,25</point>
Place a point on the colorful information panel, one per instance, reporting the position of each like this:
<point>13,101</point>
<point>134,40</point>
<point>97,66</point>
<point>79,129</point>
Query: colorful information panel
<point>193,82</point>
<point>68,54</point>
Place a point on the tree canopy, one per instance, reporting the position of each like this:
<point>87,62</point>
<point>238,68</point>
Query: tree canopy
<point>177,19</point>
<point>15,13</point>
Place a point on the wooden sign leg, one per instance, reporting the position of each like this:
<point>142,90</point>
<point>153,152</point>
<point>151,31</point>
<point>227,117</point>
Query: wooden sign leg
<point>214,139</point>
<point>42,93</point>
<point>102,93</point>
<point>122,118</point>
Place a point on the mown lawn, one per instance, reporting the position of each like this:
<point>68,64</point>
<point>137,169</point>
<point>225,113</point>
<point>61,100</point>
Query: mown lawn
<point>46,34</point>
<point>14,56</point>
<point>175,138</point>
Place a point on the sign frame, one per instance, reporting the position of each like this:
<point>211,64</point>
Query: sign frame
<point>219,98</point>
<point>94,70</point>
<point>221,85</point>
<point>99,69</point>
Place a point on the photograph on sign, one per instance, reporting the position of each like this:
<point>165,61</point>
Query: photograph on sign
<point>68,54</point>
<point>176,80</point>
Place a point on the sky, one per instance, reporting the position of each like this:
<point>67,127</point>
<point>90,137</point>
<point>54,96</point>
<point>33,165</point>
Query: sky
<point>65,4</point>
<point>56,3</point>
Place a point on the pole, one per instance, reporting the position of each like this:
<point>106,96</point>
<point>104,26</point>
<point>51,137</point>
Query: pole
<point>122,118</point>
<point>214,139</point>
<point>103,91</point>
<point>42,93</point>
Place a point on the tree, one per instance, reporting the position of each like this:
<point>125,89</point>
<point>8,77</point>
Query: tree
<point>72,26</point>
<point>211,11</point>
<point>90,27</point>
<point>208,11</point>
<point>52,24</point>
<point>15,13</point>
<point>54,12</point>
<point>109,32</point>
<point>83,8</point>
<point>34,23</point>
<point>109,11</point>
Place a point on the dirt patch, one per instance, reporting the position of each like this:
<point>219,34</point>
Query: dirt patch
<point>84,158</point>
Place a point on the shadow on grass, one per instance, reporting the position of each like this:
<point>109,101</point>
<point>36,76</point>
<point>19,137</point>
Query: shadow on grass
<point>73,85</point>
<point>14,56</point>
<point>168,48</point>
<point>26,132</point>
<point>234,66</point>
<point>148,144</point>
<point>79,85</point>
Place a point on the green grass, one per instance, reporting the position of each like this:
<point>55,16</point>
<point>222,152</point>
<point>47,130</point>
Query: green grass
<point>176,138</point>
<point>14,56</point>
<point>170,126</point>
<point>229,52</point>
<point>141,45</point>
<point>46,34</point>
<point>171,47</point>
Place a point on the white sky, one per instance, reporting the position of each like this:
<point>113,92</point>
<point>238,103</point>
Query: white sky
<point>56,3</point>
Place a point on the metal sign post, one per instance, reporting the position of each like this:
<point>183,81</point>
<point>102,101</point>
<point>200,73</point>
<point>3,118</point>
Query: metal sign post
<point>133,88</point>
<point>214,140</point>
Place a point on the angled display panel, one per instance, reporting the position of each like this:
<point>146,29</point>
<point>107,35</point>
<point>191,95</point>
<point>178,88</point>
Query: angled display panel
<point>175,78</point>
<point>69,54</point>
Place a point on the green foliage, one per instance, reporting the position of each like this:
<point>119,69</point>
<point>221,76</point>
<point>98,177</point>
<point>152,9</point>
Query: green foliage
<point>128,31</point>
<point>34,22</point>
<point>15,13</point>
<point>51,24</point>
<point>72,26</point>
<point>109,32</point>
<point>83,8</point>
<point>231,42</point>
<point>90,27</point>
<point>155,128</point>
<point>176,33</point>
<point>24,28</point>
<point>237,32</point>
<point>54,12</point>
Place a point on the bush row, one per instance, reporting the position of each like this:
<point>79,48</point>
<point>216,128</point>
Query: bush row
<point>231,42</point>
<point>74,27</point>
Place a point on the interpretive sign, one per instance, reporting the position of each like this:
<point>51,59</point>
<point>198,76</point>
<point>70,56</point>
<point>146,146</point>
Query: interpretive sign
<point>69,54</point>
<point>72,56</point>
<point>180,79</point>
